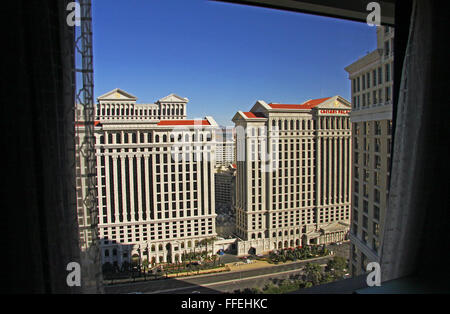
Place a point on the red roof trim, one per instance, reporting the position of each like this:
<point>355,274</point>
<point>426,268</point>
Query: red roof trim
<point>253,115</point>
<point>307,105</point>
<point>81,123</point>
<point>184,122</point>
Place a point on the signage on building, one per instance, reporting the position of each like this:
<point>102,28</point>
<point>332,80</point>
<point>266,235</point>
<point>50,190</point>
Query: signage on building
<point>334,111</point>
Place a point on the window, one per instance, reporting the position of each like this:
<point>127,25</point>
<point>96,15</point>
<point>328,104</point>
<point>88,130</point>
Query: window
<point>376,228</point>
<point>365,206</point>
<point>376,178</point>
<point>387,72</point>
<point>365,221</point>
<point>386,48</point>
<point>377,162</point>
<point>377,128</point>
<point>377,196</point>
<point>376,212</point>
<point>377,145</point>
<point>364,236</point>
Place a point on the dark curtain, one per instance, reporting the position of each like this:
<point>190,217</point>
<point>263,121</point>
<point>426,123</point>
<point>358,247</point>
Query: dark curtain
<point>40,231</point>
<point>416,239</point>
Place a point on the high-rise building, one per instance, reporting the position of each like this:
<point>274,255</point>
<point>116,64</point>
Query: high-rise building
<point>293,174</point>
<point>225,147</point>
<point>81,184</point>
<point>155,178</point>
<point>225,179</point>
<point>372,83</point>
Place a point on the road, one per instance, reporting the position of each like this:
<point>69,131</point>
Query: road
<point>224,282</point>
<point>218,283</point>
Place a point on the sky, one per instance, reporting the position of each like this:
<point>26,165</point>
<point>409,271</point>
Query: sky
<point>223,57</point>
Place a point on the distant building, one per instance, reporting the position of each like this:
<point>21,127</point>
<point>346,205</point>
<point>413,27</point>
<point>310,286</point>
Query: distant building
<point>225,147</point>
<point>155,178</point>
<point>293,174</point>
<point>225,197</point>
<point>372,83</point>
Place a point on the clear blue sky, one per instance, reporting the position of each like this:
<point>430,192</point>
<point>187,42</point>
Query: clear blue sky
<point>223,57</point>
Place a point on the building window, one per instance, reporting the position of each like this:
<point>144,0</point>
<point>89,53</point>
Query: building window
<point>377,196</point>
<point>377,145</point>
<point>365,221</point>
<point>386,48</point>
<point>387,72</point>
<point>376,212</point>
<point>365,206</point>
<point>377,162</point>
<point>364,236</point>
<point>376,229</point>
<point>377,128</point>
<point>376,178</point>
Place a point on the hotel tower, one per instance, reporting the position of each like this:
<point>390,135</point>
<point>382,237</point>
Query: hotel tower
<point>155,178</point>
<point>372,80</point>
<point>293,181</point>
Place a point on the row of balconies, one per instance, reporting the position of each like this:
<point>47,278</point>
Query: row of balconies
<point>374,105</point>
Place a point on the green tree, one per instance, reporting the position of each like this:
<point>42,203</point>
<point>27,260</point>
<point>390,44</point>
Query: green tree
<point>313,273</point>
<point>337,267</point>
<point>145,264</point>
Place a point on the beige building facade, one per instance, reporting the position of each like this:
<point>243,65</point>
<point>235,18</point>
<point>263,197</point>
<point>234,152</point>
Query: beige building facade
<point>293,179</point>
<point>372,83</point>
<point>155,179</point>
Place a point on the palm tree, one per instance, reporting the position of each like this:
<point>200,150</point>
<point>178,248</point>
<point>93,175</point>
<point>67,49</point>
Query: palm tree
<point>214,258</point>
<point>313,273</point>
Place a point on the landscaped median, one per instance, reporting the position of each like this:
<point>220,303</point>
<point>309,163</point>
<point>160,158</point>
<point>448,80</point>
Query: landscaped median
<point>200,272</point>
<point>297,254</point>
